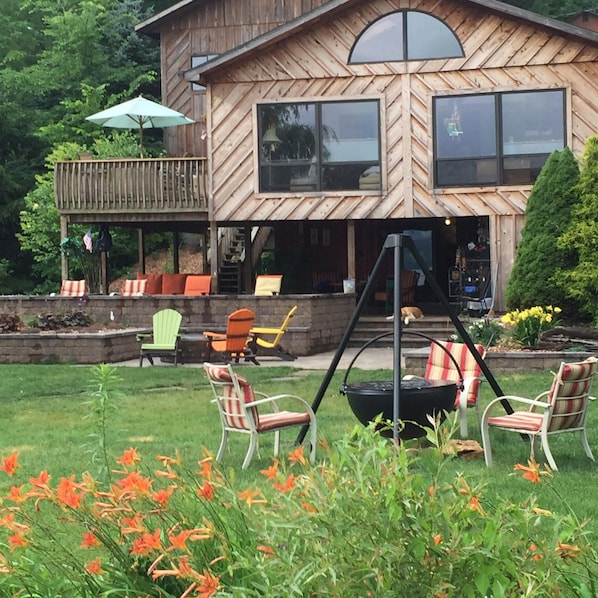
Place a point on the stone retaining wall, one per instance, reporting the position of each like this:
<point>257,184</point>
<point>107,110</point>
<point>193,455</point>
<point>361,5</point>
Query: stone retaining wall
<point>501,362</point>
<point>317,326</point>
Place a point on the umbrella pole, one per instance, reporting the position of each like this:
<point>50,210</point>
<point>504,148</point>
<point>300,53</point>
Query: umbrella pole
<point>141,141</point>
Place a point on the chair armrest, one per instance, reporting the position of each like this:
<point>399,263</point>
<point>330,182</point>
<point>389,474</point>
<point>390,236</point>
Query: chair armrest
<point>143,335</point>
<point>214,335</point>
<point>283,396</point>
<point>262,330</point>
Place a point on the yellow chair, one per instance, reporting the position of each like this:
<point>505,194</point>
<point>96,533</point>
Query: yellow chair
<point>270,345</point>
<point>267,284</point>
<point>165,336</point>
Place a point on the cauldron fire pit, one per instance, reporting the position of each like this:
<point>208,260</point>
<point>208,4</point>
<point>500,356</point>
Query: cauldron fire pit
<point>418,399</point>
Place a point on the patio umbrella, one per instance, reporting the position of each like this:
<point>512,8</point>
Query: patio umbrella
<point>140,113</point>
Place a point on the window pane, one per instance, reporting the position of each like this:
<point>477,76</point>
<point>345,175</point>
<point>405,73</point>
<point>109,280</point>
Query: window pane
<point>465,126</point>
<point>533,122</point>
<point>457,173</point>
<point>196,61</point>
<point>382,41</point>
<point>523,170</point>
<point>350,132</point>
<point>428,37</point>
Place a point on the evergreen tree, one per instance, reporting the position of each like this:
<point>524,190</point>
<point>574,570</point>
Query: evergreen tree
<point>581,281</point>
<point>547,217</point>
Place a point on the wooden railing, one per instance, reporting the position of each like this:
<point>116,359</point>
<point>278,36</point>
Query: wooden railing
<point>131,186</point>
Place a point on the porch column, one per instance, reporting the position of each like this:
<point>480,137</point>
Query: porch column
<point>351,249</point>
<point>175,251</point>
<point>64,262</point>
<point>214,255</point>
<point>248,261</point>
<point>141,250</point>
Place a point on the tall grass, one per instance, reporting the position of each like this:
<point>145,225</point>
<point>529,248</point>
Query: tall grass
<point>45,417</point>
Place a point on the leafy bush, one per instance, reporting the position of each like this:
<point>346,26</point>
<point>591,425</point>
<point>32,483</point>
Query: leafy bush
<point>486,332</point>
<point>372,519</point>
<point>69,319</point>
<point>526,326</point>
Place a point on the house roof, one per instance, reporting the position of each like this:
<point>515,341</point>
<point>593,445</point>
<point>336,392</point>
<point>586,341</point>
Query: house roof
<point>326,11</point>
<point>153,25</point>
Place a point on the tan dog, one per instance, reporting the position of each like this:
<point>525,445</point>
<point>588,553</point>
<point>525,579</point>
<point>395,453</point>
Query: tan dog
<point>408,314</point>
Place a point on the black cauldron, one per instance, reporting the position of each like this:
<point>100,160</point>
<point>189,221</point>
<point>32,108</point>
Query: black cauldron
<point>417,399</point>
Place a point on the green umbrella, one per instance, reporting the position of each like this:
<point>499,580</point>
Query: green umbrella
<point>139,113</point>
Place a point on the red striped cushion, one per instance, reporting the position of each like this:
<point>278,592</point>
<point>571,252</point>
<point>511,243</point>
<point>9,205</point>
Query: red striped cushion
<point>569,394</point>
<point>134,287</point>
<point>73,288</point>
<point>233,410</point>
<point>519,420</point>
<point>441,367</point>
<point>281,419</point>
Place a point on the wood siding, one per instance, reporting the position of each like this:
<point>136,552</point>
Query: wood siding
<point>500,54</point>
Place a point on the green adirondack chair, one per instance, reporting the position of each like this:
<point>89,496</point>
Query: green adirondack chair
<point>165,337</point>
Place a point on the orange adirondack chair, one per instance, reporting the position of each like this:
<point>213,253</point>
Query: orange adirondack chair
<point>198,284</point>
<point>232,345</point>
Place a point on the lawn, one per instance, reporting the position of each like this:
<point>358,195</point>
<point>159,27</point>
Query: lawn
<point>45,409</point>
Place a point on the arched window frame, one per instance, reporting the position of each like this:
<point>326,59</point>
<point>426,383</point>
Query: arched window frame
<point>407,53</point>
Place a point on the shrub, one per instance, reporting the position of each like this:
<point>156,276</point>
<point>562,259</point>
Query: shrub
<point>533,279</point>
<point>486,331</point>
<point>10,322</point>
<point>526,326</point>
<point>372,519</point>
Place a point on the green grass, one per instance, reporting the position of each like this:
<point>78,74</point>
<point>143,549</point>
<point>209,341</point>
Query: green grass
<point>167,408</point>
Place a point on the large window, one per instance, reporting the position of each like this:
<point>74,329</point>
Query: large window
<point>496,139</point>
<point>319,146</point>
<point>405,35</point>
<point>196,61</point>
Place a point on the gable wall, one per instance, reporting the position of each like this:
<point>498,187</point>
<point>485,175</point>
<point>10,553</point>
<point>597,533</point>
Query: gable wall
<point>212,27</point>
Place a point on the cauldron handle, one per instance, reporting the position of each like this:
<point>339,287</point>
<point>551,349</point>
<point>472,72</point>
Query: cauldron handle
<point>343,388</point>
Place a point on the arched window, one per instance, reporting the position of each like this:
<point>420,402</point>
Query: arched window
<point>405,35</point>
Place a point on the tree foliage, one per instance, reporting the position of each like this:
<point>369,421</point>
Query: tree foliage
<point>533,280</point>
<point>581,281</point>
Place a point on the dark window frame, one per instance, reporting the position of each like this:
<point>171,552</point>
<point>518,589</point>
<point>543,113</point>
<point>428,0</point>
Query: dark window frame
<point>406,54</point>
<point>499,157</point>
<point>313,171</point>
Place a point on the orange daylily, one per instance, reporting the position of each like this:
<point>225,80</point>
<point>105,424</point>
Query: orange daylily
<point>146,543</point>
<point>94,567</point>
<point>206,468</point>
<point>272,471</point>
<point>69,492</point>
<point>162,496</point>
<point>129,457</point>
<point>89,540</point>
<point>206,491</point>
<point>17,540</point>
<point>297,456</point>
<point>135,482</point>
<point>170,460</point>
<point>208,585</point>
<point>288,484</point>
<point>531,471</point>
<point>266,550</point>
<point>15,494</point>
<point>10,464</point>
<point>41,481</point>
<point>250,495</point>
<point>536,556</point>
<point>567,551</point>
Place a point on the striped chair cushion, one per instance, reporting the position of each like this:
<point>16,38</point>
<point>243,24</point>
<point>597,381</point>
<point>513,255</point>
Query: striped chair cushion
<point>231,401</point>
<point>569,394</point>
<point>134,287</point>
<point>73,288</point>
<point>441,367</point>
<point>519,420</point>
<point>281,419</point>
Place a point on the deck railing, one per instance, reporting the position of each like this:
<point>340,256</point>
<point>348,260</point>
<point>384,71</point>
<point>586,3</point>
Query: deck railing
<point>122,186</point>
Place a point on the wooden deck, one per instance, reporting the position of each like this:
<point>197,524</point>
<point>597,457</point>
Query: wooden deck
<point>132,190</point>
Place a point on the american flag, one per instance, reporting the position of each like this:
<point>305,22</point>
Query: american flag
<point>87,241</point>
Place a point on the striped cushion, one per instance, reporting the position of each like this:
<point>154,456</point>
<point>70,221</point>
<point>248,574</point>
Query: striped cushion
<point>281,419</point>
<point>519,420</point>
<point>569,394</point>
<point>441,367</point>
<point>231,401</point>
<point>134,287</point>
<point>73,288</point>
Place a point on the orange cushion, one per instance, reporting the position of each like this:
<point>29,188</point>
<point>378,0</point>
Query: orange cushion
<point>73,288</point>
<point>198,284</point>
<point>173,284</point>
<point>154,283</point>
